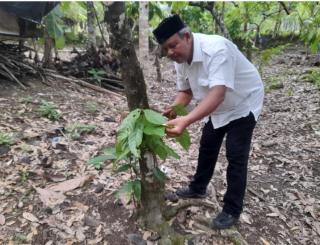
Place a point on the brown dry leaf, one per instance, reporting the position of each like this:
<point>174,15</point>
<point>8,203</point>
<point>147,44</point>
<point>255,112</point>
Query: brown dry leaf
<point>272,215</point>
<point>146,235</point>
<point>71,184</point>
<point>246,218</point>
<point>2,219</point>
<point>264,241</point>
<point>80,236</point>
<point>95,241</point>
<point>30,217</point>
<point>50,198</point>
<point>317,227</point>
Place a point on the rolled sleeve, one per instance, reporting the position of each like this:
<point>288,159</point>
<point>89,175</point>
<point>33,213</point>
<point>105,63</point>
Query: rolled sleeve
<point>182,81</point>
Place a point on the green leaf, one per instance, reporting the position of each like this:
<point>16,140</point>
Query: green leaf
<point>135,139</point>
<point>110,151</point>
<point>129,122</point>
<point>180,110</point>
<point>154,117</point>
<point>184,140</point>
<point>126,191</point>
<point>161,176</point>
<point>136,185</point>
<point>156,145</point>
<point>176,7</point>
<point>171,152</point>
<point>101,158</point>
<point>54,28</point>
<point>123,168</point>
<point>60,42</point>
<point>154,130</point>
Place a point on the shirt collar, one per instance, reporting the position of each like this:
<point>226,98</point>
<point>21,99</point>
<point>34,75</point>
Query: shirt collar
<point>197,55</point>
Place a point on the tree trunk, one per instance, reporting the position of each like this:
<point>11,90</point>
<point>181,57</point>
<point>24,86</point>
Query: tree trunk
<point>92,43</point>
<point>209,6</point>
<point>247,43</point>
<point>220,23</point>
<point>143,33</point>
<point>48,45</point>
<point>152,201</point>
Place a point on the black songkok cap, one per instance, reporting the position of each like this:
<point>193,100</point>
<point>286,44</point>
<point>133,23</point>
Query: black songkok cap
<point>168,27</point>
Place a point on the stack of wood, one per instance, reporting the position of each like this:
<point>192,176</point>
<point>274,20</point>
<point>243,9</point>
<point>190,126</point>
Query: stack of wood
<point>14,64</point>
<point>96,65</point>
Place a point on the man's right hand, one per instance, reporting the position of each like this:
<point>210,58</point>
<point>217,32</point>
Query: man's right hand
<point>169,112</point>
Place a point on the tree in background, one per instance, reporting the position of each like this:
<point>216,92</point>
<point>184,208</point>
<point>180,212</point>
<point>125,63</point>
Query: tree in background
<point>143,33</point>
<point>92,41</point>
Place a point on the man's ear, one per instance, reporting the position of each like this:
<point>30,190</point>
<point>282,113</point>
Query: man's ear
<point>187,35</point>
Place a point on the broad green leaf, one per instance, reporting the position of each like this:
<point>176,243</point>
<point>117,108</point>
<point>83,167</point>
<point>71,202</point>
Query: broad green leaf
<point>123,154</point>
<point>178,6</point>
<point>136,184</point>
<point>60,42</point>
<point>171,152</point>
<point>123,168</point>
<point>110,151</point>
<point>54,28</point>
<point>126,191</point>
<point>180,110</point>
<point>129,122</point>
<point>157,146</point>
<point>184,140</point>
<point>101,158</point>
<point>161,176</point>
<point>135,139</point>
<point>154,130</point>
<point>154,117</point>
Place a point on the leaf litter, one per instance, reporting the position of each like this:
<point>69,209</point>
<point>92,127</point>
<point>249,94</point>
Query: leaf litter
<point>48,190</point>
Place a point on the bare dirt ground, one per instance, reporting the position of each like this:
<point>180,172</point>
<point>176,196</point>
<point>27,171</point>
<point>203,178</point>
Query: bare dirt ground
<point>50,195</point>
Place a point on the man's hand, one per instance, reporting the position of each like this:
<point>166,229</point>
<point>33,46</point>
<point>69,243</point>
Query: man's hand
<point>169,112</point>
<point>176,126</point>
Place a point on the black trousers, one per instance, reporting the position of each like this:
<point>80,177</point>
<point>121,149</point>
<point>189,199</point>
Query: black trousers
<point>238,139</point>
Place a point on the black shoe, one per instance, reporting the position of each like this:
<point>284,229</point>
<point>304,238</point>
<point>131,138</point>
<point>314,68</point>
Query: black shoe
<point>224,221</point>
<point>187,192</point>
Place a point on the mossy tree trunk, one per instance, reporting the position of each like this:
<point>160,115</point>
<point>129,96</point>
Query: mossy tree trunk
<point>143,33</point>
<point>48,46</point>
<point>91,44</point>
<point>152,201</point>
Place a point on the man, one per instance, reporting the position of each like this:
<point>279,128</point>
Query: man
<point>230,92</point>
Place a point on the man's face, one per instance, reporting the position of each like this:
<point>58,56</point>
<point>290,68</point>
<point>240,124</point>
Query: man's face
<point>177,48</point>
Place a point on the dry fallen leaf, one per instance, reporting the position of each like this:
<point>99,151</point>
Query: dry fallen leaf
<point>264,241</point>
<point>2,219</point>
<point>30,217</point>
<point>272,215</point>
<point>71,184</point>
<point>50,198</point>
<point>246,218</point>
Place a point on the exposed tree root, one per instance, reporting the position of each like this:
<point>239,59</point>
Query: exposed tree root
<point>232,233</point>
<point>202,223</point>
<point>172,211</point>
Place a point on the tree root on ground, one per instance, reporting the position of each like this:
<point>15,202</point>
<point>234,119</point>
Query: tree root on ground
<point>232,233</point>
<point>203,224</point>
<point>171,211</point>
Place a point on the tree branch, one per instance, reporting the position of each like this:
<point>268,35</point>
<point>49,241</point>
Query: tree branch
<point>284,7</point>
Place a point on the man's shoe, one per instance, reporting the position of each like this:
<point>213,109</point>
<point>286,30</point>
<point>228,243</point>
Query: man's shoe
<point>224,221</point>
<point>187,192</point>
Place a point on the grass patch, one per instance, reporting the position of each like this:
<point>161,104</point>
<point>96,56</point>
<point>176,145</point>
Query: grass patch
<point>76,130</point>
<point>6,139</point>
<point>49,110</point>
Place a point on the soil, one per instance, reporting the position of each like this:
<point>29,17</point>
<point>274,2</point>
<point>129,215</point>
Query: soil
<point>282,204</point>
